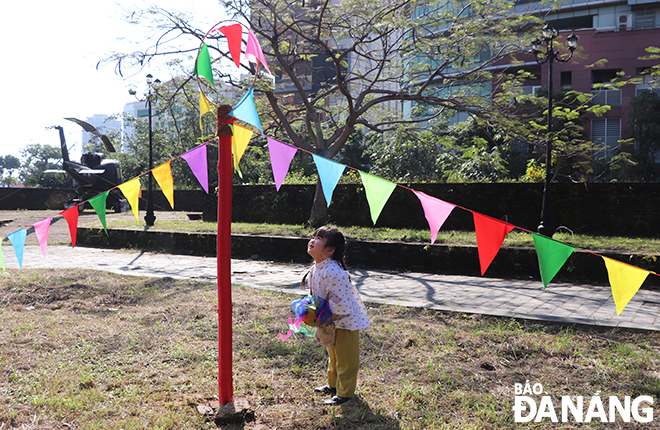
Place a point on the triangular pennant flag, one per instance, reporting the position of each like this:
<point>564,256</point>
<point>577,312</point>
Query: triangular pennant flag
<point>281,155</point>
<point>625,281</point>
<point>329,174</point>
<point>131,190</point>
<point>239,142</point>
<point>196,159</point>
<point>204,107</point>
<point>17,240</point>
<point>99,203</point>
<point>253,52</point>
<point>245,110</point>
<point>71,216</point>
<point>203,67</point>
<point>163,175</point>
<point>436,212</point>
<point>2,261</point>
<point>41,229</point>
<point>234,34</point>
<point>552,255</point>
<point>490,236</point>
<point>378,192</point>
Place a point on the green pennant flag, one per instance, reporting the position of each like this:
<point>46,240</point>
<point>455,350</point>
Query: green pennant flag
<point>203,67</point>
<point>378,192</point>
<point>552,255</point>
<point>98,203</point>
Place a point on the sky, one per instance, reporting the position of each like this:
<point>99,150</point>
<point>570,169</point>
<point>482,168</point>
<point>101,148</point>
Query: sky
<point>49,58</point>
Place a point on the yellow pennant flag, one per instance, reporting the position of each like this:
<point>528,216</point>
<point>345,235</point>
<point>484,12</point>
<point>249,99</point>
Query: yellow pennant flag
<point>131,190</point>
<point>204,107</point>
<point>625,281</point>
<point>239,143</point>
<point>163,175</point>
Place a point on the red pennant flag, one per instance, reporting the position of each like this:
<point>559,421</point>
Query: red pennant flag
<point>234,35</point>
<point>71,216</point>
<point>490,236</point>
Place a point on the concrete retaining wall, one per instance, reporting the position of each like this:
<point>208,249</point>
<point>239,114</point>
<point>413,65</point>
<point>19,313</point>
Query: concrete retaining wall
<point>510,263</point>
<point>621,209</point>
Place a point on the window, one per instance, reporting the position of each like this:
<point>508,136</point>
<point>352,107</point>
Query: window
<point>645,18</point>
<point>603,95</point>
<point>648,82</point>
<point>606,131</point>
<point>566,81</point>
<point>528,90</point>
<point>606,97</point>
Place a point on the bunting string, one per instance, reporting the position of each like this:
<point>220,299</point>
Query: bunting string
<point>625,280</point>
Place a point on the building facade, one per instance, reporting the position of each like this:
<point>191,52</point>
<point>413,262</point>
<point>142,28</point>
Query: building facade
<point>612,36</point>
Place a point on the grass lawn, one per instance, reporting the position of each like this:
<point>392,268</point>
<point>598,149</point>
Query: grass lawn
<point>92,350</point>
<point>516,238</point>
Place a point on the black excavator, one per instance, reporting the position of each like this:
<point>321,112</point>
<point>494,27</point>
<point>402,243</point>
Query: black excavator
<point>94,174</point>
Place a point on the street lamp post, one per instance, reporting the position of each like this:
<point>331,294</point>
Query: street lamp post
<point>149,217</point>
<point>549,55</point>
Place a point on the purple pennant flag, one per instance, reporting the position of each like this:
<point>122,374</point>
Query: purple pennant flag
<point>196,159</point>
<point>281,155</point>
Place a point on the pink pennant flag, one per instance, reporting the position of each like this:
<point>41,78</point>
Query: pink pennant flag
<point>490,236</point>
<point>71,216</point>
<point>436,212</point>
<point>281,155</point>
<point>196,159</point>
<point>41,230</point>
<point>253,52</point>
<point>234,34</point>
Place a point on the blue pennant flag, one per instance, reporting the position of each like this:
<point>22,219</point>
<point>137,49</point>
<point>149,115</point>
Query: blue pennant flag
<point>245,110</point>
<point>329,174</point>
<point>17,239</point>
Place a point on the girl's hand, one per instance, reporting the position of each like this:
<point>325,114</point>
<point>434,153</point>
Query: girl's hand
<point>310,318</point>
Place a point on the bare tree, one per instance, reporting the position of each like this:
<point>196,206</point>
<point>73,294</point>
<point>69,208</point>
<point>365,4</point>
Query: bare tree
<point>357,63</point>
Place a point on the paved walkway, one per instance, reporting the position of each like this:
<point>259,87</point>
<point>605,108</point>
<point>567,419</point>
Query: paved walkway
<point>567,303</point>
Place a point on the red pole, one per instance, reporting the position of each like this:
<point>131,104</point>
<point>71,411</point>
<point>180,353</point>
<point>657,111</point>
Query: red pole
<point>225,380</point>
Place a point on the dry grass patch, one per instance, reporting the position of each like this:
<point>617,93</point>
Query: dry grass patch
<point>104,351</point>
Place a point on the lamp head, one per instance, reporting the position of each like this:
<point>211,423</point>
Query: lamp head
<point>548,32</point>
<point>572,42</point>
<point>537,46</point>
<point>149,79</point>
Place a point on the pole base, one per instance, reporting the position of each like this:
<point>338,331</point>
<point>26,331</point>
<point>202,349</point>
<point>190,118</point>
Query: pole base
<point>150,218</point>
<point>236,412</point>
<point>547,230</point>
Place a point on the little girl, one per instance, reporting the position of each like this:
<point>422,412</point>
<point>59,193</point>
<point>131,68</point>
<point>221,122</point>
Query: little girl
<point>329,280</point>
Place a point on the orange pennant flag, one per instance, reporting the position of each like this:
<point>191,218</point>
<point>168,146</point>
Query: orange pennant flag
<point>131,190</point>
<point>490,236</point>
<point>163,175</point>
<point>239,142</point>
<point>625,281</point>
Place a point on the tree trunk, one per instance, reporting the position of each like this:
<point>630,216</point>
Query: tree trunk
<point>319,215</point>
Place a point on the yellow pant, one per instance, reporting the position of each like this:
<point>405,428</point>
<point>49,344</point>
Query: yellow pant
<point>344,362</point>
